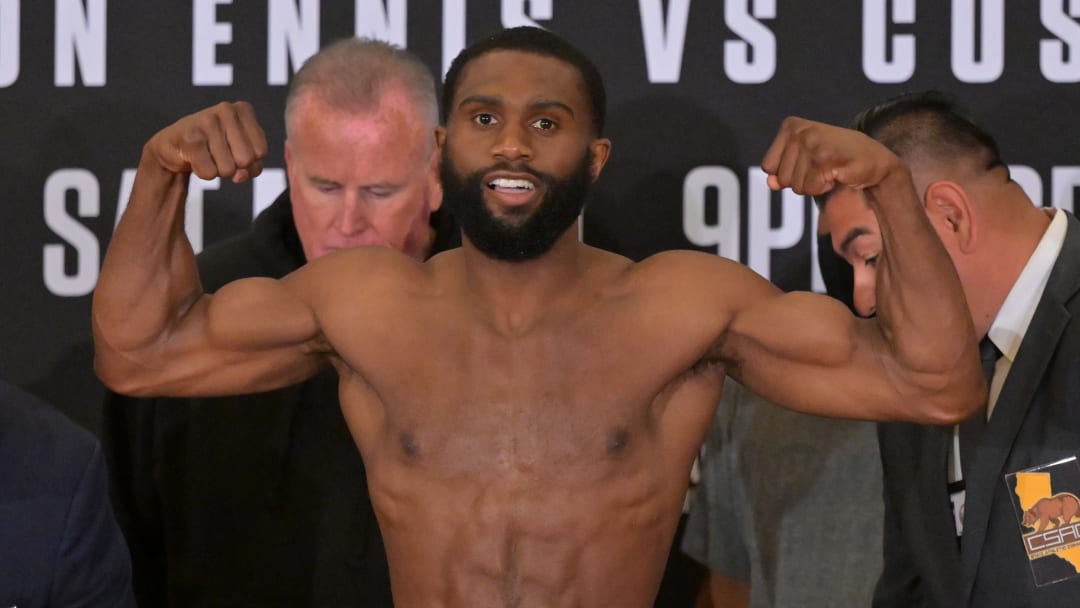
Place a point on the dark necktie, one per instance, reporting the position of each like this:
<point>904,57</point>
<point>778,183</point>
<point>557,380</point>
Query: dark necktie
<point>971,429</point>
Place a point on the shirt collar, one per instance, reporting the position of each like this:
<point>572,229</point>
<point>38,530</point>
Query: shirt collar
<point>1014,317</point>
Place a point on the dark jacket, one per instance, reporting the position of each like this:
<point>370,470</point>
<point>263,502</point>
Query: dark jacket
<point>59,543</point>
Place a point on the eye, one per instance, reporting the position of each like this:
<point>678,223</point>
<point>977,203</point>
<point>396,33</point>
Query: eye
<point>484,119</point>
<point>380,192</point>
<point>871,261</point>
<point>544,124</point>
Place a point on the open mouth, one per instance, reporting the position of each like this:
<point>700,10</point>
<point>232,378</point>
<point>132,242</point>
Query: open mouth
<point>513,186</point>
<point>511,191</point>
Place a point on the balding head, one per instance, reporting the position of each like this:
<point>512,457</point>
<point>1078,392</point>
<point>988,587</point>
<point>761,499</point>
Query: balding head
<point>354,74</point>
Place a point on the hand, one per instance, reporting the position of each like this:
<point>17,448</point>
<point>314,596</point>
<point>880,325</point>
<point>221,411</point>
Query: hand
<point>813,158</point>
<point>224,140</point>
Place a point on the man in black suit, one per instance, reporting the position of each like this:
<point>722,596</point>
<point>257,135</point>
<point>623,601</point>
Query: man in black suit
<point>261,500</point>
<point>956,533</point>
<point>59,543</point>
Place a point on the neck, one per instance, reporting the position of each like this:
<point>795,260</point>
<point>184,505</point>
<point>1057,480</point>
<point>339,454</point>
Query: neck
<point>515,295</point>
<point>1010,236</point>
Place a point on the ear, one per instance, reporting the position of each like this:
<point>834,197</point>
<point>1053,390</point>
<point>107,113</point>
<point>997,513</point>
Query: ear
<point>288,164</point>
<point>952,213</point>
<point>440,138</point>
<point>601,149</point>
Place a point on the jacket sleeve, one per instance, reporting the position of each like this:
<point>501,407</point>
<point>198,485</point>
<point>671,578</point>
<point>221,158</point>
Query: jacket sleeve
<point>93,567</point>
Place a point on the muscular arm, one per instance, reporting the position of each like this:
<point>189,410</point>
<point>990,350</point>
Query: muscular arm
<point>917,360</point>
<point>155,331</point>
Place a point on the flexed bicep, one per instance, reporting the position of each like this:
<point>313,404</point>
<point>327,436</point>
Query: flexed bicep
<point>252,335</point>
<point>807,352</point>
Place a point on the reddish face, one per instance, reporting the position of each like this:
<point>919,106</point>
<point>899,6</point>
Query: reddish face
<point>362,178</point>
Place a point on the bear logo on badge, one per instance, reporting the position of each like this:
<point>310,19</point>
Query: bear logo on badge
<point>1059,509</point>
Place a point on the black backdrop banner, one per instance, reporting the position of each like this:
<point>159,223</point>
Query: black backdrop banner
<point>696,91</point>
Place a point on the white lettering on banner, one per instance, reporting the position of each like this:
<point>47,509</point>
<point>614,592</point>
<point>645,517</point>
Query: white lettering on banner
<point>266,188</point>
<point>9,42</point>
<point>453,32</point>
<point>513,12</point>
<point>1059,58</point>
<point>978,57</point>
<point>754,36</point>
<point>1064,182</point>
<point>80,32</point>
<point>381,21</point>
<point>664,37</point>
<point>877,44</point>
<point>127,182</point>
<point>1029,182</point>
<point>78,236</point>
<point>292,36</point>
<point>762,237</point>
<point>724,234</point>
<point>206,34</point>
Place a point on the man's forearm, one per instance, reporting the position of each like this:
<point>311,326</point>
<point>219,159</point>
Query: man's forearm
<point>921,306</point>
<point>149,276</point>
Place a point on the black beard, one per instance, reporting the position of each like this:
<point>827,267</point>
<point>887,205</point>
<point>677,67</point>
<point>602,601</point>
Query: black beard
<point>533,235</point>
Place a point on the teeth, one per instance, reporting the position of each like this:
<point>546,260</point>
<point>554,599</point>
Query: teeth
<point>503,182</point>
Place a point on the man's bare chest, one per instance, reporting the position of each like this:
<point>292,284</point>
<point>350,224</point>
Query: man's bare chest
<point>459,395</point>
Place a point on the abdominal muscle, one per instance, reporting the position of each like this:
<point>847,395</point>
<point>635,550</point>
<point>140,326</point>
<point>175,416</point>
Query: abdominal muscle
<point>556,538</point>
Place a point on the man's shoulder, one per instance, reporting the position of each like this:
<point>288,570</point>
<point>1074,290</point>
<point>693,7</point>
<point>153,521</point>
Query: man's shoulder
<point>681,263</point>
<point>694,277</point>
<point>363,272</point>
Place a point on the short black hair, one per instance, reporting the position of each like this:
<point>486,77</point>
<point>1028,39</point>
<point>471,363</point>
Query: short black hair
<point>928,125</point>
<point>531,40</point>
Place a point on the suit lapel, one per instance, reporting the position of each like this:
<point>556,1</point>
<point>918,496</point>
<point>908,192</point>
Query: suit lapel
<point>1036,351</point>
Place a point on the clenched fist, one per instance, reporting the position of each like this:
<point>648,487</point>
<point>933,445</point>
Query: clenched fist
<point>224,140</point>
<point>813,158</point>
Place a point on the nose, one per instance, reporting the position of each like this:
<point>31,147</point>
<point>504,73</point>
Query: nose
<point>352,217</point>
<point>865,291</point>
<point>511,143</point>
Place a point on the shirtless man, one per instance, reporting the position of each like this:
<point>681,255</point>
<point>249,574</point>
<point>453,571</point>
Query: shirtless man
<point>528,407</point>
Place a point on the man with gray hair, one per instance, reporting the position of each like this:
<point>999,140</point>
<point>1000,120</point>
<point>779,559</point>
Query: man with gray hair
<point>261,499</point>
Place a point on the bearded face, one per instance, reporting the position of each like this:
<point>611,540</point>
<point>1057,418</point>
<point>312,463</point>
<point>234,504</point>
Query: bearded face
<point>522,233</point>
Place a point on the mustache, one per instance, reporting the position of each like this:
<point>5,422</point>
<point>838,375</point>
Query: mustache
<point>546,178</point>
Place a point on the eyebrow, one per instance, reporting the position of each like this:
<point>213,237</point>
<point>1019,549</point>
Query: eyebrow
<point>539,104</point>
<point>852,234</point>
<point>323,181</point>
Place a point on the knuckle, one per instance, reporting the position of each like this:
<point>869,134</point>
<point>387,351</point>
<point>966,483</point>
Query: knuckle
<point>194,135</point>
